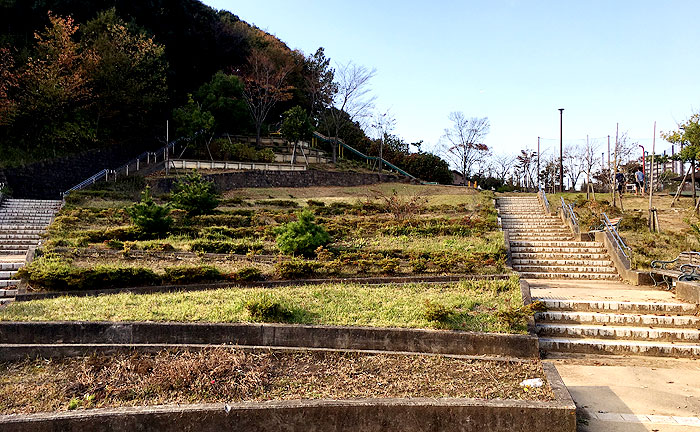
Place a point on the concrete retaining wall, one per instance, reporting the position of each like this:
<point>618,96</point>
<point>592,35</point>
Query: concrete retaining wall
<point>688,292</point>
<point>367,415</point>
<point>265,179</point>
<point>282,335</point>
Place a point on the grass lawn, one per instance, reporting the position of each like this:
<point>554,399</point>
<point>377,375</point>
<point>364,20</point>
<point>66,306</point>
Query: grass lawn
<point>229,375</point>
<point>471,305</point>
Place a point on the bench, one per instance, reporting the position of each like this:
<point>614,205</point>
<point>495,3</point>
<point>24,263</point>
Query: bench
<point>685,267</point>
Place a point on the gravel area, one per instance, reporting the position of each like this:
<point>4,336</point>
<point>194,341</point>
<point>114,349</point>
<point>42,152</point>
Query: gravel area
<point>232,375</point>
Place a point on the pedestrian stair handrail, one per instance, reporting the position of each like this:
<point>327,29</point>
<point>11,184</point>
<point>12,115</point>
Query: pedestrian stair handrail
<point>543,196</point>
<point>616,240</point>
<point>107,174</point>
<point>362,155</point>
<point>569,213</point>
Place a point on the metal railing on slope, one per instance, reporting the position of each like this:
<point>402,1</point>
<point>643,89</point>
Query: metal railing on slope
<point>569,213</point>
<point>543,197</point>
<point>107,174</point>
<point>616,240</point>
<point>362,155</point>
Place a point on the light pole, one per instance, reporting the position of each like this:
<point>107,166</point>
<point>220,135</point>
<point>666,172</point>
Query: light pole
<point>561,150</point>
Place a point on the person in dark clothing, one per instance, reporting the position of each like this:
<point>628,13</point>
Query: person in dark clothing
<point>620,181</point>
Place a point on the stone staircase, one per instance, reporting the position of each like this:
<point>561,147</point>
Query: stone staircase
<point>621,328</point>
<point>21,224</point>
<point>542,246</point>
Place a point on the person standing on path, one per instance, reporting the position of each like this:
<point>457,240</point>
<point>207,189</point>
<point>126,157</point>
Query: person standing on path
<point>639,180</point>
<point>620,180</point>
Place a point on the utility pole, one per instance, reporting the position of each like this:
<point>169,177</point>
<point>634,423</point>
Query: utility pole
<point>538,162</point>
<point>653,225</point>
<point>561,149</point>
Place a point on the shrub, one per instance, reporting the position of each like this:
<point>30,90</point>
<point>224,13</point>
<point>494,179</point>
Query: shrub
<point>296,268</point>
<point>315,203</point>
<point>56,274</point>
<point>515,317</point>
<point>194,274</point>
<point>151,219</point>
<point>114,244</point>
<point>225,247</point>
<point>265,308</point>
<point>195,195</point>
<point>302,236</point>
<point>435,311</point>
<point>419,265</point>
<point>248,274</point>
<point>277,203</point>
<point>228,220</point>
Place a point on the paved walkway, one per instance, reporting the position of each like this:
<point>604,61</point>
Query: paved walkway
<point>625,393</point>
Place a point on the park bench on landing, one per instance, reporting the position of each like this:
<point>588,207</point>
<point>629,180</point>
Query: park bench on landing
<point>685,267</point>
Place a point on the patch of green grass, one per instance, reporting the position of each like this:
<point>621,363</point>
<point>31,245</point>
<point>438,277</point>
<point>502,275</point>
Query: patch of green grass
<point>474,305</point>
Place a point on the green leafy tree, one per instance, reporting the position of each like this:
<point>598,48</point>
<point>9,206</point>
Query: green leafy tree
<point>296,126</point>
<point>129,76</point>
<point>195,123</point>
<point>302,236</point>
<point>195,195</point>
<point>153,220</point>
<point>223,97</point>
<point>688,137</point>
<point>8,81</point>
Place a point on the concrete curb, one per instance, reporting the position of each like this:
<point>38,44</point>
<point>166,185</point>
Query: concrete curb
<point>370,415</point>
<point>261,284</point>
<point>23,338</point>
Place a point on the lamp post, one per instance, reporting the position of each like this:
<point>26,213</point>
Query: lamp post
<point>561,150</point>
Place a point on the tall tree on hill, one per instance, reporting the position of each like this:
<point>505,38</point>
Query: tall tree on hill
<point>8,81</point>
<point>55,88</point>
<point>688,137</point>
<point>129,77</point>
<point>265,81</point>
<point>319,83</point>
<point>464,141</point>
<point>351,101</point>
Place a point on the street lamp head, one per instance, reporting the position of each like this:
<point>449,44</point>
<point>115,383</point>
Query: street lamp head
<point>561,109</point>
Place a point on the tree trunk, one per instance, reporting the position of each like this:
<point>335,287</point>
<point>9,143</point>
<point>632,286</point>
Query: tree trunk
<point>257,134</point>
<point>692,180</point>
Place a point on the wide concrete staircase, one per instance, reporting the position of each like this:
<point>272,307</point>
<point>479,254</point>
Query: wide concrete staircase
<point>542,246</point>
<point>622,328</point>
<point>21,224</point>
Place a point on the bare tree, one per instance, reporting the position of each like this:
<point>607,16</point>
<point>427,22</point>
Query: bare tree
<point>465,145</point>
<point>572,164</point>
<point>502,164</point>
<point>589,163</point>
<point>351,100</point>
<point>265,84</point>
<point>527,165</point>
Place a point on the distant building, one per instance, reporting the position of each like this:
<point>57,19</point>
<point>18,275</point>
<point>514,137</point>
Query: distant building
<point>457,178</point>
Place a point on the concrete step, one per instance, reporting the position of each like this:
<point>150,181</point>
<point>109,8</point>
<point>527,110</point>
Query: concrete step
<point>4,283</point>
<point>7,274</point>
<point>4,236</point>
<point>565,244</point>
<point>564,269</point>
<point>617,332</point>
<point>13,251</point>
<point>7,266</point>
<point>5,248</point>
<point>19,242</point>
<point>558,256</point>
<point>643,308</point>
<point>563,262</point>
<point>563,275</point>
<point>7,293</point>
<point>557,250</point>
<point>540,237</point>
<point>634,320</point>
<point>620,347</point>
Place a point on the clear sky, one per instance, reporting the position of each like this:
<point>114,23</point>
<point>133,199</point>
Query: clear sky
<point>515,62</point>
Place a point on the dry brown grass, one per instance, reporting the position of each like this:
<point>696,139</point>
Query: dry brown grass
<point>229,375</point>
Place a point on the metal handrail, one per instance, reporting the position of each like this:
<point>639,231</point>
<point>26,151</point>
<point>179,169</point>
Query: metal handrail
<point>105,173</point>
<point>569,211</point>
<point>621,246</point>
<point>543,195</point>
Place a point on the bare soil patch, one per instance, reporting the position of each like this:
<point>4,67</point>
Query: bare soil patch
<point>231,375</point>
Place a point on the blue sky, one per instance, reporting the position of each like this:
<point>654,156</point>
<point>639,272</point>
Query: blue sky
<point>515,62</point>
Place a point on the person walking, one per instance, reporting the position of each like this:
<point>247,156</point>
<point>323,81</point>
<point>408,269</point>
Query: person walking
<point>639,180</point>
<point>620,180</point>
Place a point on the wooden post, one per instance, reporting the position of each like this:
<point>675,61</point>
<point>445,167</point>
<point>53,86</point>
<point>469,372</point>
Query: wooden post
<point>652,216</point>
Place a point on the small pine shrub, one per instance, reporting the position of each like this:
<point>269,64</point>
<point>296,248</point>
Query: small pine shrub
<point>267,309</point>
<point>247,274</point>
<point>296,268</point>
<point>226,247</point>
<point>436,312</point>
<point>151,219</point>
<point>302,236</point>
<point>315,203</point>
<point>193,274</point>
<point>516,317</point>
<point>114,244</point>
<point>419,265</point>
<point>195,195</point>
<point>277,203</point>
